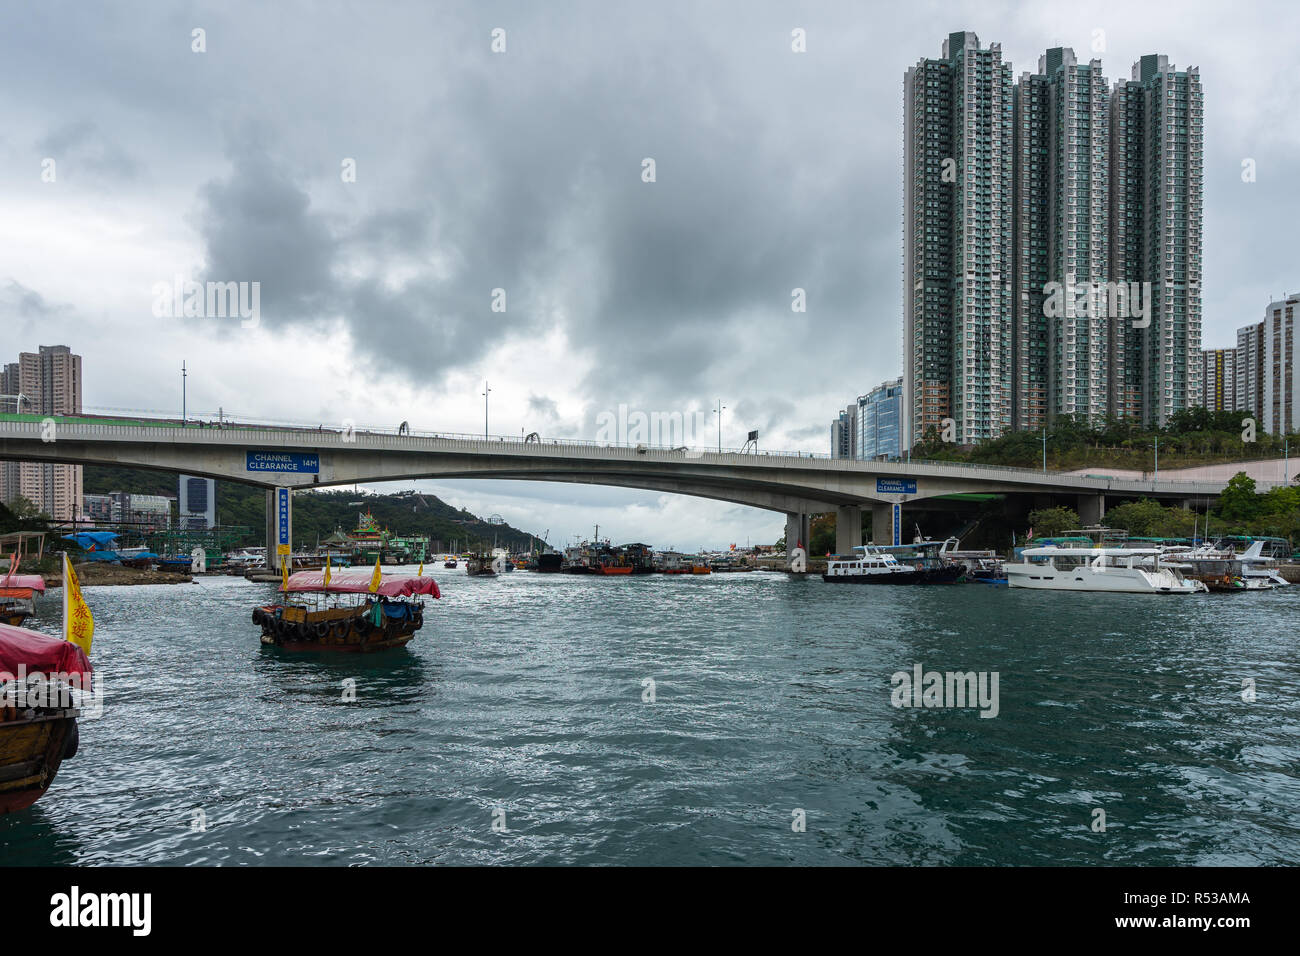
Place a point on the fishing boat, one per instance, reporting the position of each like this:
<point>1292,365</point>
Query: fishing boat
<point>18,597</point>
<point>480,566</point>
<point>1122,570</point>
<point>364,616</point>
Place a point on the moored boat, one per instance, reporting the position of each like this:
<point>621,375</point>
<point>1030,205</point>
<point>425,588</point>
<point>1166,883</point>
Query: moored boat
<point>365,616</point>
<point>38,718</point>
<point>18,597</point>
<point>1121,570</point>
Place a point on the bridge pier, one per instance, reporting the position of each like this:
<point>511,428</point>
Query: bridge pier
<point>848,528</point>
<point>882,524</point>
<point>279,526</point>
<point>1092,508</point>
<point>798,531</point>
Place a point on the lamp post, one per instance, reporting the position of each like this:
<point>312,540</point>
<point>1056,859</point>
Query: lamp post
<point>485,408</point>
<point>183,384</point>
<point>1157,477</point>
<point>718,411</point>
<point>1044,451</point>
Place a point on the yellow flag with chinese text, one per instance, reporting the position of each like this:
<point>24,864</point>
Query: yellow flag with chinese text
<point>78,624</point>
<point>375,578</point>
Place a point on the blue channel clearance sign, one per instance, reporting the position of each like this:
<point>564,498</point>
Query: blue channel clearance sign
<point>895,486</point>
<point>282,516</point>
<point>898,524</point>
<point>284,462</point>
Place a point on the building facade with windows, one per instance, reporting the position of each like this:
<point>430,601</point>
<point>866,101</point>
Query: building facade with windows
<point>46,382</point>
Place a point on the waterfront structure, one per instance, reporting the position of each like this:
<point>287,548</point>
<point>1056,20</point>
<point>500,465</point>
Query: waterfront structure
<point>844,430</point>
<point>1219,379</point>
<point>879,414</point>
<point>957,183</point>
<point>145,512</point>
<point>1055,182</point>
<point>196,503</point>
<point>1281,402</point>
<point>47,383</point>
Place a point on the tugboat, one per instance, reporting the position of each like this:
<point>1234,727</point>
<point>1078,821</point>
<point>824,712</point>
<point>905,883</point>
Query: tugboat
<point>17,597</point>
<point>370,612</point>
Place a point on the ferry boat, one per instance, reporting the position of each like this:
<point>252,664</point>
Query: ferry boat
<point>18,597</point>
<point>359,620</point>
<point>878,565</point>
<point>1121,570</point>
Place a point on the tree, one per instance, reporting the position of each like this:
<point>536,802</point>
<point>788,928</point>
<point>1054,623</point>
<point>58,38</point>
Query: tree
<point>1053,522</point>
<point>1239,501</point>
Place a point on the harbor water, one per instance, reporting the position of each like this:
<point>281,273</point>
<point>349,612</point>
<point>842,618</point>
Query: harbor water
<point>521,727</point>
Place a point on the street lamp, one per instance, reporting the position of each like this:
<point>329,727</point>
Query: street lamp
<point>1044,451</point>
<point>1157,477</point>
<point>485,408</point>
<point>718,411</point>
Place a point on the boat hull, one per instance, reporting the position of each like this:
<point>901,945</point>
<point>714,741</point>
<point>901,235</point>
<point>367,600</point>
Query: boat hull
<point>1115,580</point>
<point>913,576</point>
<point>340,630</point>
<point>31,752</point>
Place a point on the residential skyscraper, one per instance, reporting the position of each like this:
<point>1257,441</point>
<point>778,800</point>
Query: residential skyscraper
<point>844,434</point>
<point>958,142</point>
<point>1250,370</point>
<point>1157,147</point>
<point>1219,379</point>
<point>1053,183</point>
<point>1281,399</point>
<point>50,382</point>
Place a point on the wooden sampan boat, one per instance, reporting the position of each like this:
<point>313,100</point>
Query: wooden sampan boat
<point>378,621</point>
<point>17,597</point>
<point>34,741</point>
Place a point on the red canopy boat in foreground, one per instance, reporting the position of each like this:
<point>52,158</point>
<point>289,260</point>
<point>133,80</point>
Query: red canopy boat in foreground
<point>37,731</point>
<point>381,619</point>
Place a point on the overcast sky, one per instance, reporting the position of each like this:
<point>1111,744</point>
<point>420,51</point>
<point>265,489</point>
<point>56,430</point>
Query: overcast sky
<point>523,170</point>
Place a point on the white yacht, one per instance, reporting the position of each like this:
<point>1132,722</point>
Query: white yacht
<point>1127,570</point>
<point>1258,570</point>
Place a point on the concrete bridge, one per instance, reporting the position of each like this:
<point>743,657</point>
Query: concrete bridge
<point>282,459</point>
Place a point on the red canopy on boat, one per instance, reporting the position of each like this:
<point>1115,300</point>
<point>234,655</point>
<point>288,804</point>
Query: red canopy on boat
<point>358,582</point>
<point>24,583</point>
<point>35,651</point>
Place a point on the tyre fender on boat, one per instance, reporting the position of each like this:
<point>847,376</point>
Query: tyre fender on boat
<point>321,629</point>
<point>72,742</point>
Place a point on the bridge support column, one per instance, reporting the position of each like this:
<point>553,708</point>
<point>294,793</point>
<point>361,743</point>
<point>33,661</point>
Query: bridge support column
<point>279,526</point>
<point>848,528</point>
<point>798,531</point>
<point>882,524</point>
<point>1092,508</point>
